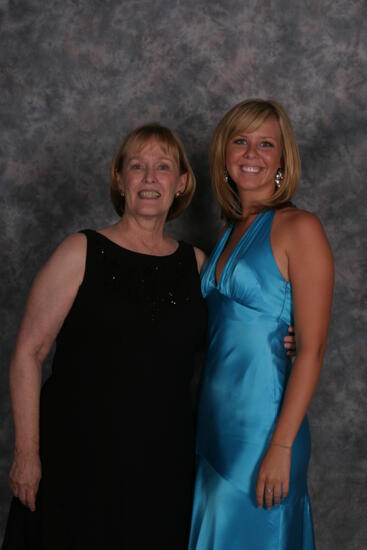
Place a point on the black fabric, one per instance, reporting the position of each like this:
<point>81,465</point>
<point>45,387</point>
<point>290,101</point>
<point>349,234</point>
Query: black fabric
<point>116,422</point>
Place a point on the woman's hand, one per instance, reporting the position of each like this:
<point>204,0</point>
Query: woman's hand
<point>24,477</point>
<point>290,342</point>
<point>273,479</point>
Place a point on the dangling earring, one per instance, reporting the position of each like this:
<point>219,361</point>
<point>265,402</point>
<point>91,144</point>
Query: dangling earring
<point>226,175</point>
<point>278,178</point>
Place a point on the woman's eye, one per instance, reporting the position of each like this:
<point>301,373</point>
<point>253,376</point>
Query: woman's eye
<point>267,144</point>
<point>240,141</point>
<point>135,166</point>
<point>163,166</point>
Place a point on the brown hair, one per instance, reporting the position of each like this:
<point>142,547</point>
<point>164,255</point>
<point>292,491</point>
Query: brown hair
<point>136,140</point>
<point>248,116</point>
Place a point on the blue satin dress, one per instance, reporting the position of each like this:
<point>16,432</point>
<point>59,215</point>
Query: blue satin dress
<point>243,386</point>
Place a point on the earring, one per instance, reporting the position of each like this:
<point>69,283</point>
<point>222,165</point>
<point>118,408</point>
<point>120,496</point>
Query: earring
<point>122,194</point>
<point>278,178</point>
<point>226,175</point>
<point>178,195</point>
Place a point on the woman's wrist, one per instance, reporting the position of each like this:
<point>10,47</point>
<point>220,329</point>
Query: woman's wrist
<point>26,450</point>
<point>281,444</point>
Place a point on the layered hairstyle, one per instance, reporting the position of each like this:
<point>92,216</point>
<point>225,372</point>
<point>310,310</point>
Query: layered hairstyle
<point>248,116</point>
<point>172,145</point>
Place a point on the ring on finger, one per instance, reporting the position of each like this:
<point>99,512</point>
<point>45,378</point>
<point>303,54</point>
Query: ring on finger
<point>268,490</point>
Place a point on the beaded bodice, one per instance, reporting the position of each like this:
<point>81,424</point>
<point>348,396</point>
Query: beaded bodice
<point>126,294</point>
<point>144,279</point>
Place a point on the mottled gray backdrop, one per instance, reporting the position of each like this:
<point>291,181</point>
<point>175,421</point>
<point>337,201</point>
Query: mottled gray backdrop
<point>77,75</point>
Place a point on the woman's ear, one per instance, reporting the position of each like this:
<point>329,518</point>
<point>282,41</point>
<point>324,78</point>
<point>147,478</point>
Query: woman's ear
<point>181,187</point>
<point>119,182</point>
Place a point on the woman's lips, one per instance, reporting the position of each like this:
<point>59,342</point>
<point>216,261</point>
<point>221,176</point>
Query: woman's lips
<point>250,169</point>
<point>149,194</point>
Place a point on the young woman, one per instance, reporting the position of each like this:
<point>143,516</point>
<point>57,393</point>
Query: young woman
<point>272,265</point>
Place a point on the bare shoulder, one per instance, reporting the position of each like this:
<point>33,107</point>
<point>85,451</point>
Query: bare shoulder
<point>76,243</point>
<point>68,258</point>
<point>73,249</point>
<point>200,258</point>
<point>299,225</point>
<point>295,216</point>
<point>305,242</point>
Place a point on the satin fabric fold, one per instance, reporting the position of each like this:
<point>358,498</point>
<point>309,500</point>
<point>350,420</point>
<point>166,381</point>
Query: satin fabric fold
<point>243,386</point>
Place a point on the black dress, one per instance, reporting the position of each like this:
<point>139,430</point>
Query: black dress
<point>116,419</point>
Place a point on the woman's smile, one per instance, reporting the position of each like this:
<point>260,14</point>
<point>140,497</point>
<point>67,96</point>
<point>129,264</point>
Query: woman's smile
<point>250,169</point>
<point>149,194</point>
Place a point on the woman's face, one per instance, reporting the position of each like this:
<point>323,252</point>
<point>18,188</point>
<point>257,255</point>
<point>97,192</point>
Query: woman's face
<point>252,159</point>
<point>149,180</point>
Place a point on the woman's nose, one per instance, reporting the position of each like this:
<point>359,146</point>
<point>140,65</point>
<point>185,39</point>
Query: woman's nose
<point>250,151</point>
<point>149,175</point>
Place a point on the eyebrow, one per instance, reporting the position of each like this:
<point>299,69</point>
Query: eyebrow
<point>171,159</point>
<point>260,137</point>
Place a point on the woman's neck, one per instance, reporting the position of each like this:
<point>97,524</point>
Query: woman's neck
<point>145,235</point>
<point>250,201</point>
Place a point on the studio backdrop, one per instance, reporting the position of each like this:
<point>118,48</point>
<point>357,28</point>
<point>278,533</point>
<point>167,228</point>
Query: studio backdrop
<point>76,76</point>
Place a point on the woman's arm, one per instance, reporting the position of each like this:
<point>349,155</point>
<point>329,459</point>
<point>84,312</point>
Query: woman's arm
<point>200,258</point>
<point>311,272</point>
<point>49,301</point>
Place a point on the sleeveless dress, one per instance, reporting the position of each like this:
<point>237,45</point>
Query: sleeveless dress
<point>117,420</point>
<point>243,385</point>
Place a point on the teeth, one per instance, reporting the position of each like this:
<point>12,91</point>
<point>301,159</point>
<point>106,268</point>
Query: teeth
<point>149,194</point>
<point>250,169</point>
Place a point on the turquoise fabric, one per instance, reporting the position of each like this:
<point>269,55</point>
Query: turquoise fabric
<point>243,385</point>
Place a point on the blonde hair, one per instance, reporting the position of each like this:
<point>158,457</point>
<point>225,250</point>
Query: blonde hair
<point>248,116</point>
<point>172,145</point>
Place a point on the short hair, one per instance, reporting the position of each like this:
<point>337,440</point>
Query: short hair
<point>172,145</point>
<point>248,116</point>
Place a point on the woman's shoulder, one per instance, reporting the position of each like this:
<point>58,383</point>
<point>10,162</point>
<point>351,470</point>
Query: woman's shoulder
<point>67,262</point>
<point>300,230</point>
<point>200,258</point>
<point>73,246</point>
<point>297,221</point>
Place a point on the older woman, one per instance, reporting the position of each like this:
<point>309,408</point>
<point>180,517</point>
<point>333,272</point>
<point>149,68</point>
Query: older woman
<point>114,454</point>
<point>272,263</point>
